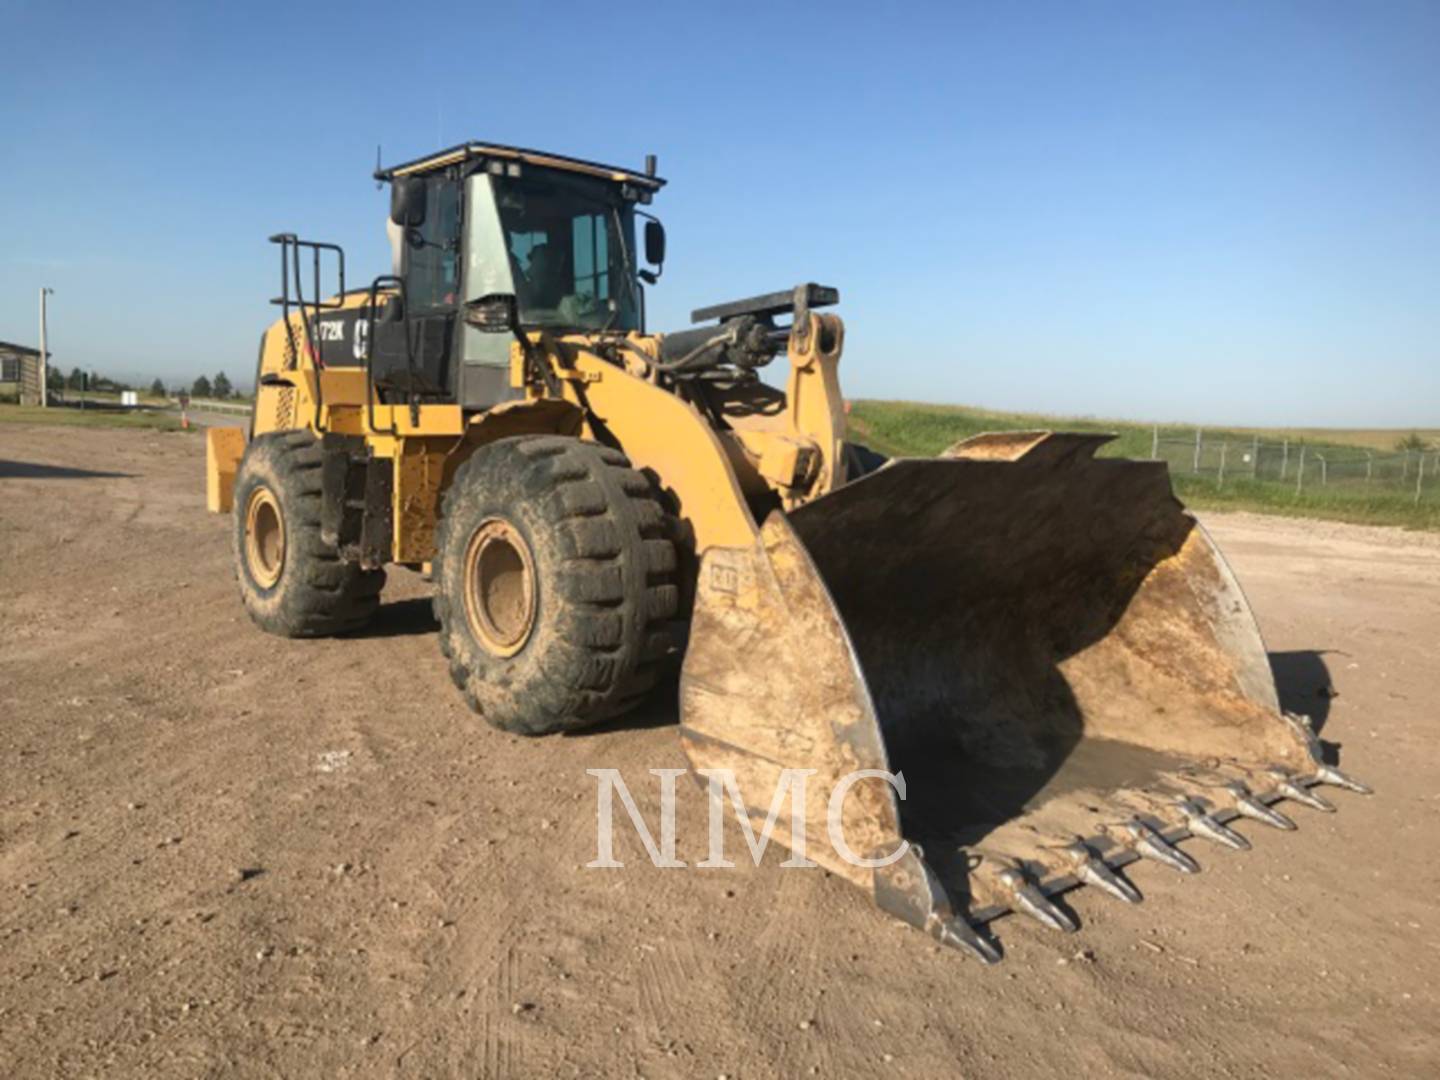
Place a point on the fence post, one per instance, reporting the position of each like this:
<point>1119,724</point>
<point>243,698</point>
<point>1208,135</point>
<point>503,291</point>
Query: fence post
<point>1255,459</point>
<point>1284,458</point>
<point>1300,471</point>
<point>1369,465</point>
<point>1324,475</point>
<point>1197,450</point>
<point>1155,444</point>
<point>1220,479</point>
<point>1405,466</point>
<point>1419,478</point>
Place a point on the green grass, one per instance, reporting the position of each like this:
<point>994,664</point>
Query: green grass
<point>900,428</point>
<point>74,417</point>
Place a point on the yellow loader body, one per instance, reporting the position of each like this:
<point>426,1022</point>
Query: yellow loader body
<point>1024,666</point>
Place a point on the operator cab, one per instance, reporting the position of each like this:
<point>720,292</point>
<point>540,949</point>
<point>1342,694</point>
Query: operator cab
<point>476,220</point>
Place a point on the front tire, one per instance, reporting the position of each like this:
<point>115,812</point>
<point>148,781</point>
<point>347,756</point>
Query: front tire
<point>555,584</point>
<point>292,583</point>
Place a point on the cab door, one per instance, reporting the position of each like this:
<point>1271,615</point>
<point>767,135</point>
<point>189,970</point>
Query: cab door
<point>430,268</point>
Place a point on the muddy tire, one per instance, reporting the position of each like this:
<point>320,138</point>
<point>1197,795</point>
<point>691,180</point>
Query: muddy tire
<point>555,584</point>
<point>292,583</point>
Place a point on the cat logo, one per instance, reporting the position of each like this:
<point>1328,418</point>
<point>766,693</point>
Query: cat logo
<point>362,339</point>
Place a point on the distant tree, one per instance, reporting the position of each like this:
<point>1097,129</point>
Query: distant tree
<point>157,389</point>
<point>54,379</point>
<point>1411,442</point>
<point>94,383</point>
<point>75,380</point>
<point>221,386</point>
<point>201,387</point>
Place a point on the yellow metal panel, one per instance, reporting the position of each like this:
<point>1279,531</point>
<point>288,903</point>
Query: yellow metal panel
<point>343,385</point>
<point>419,481</point>
<point>532,417</point>
<point>661,433</point>
<point>224,446</point>
<point>434,421</point>
<point>813,400</point>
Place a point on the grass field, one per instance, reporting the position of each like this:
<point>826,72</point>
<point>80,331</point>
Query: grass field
<point>917,430</point>
<point>911,429</point>
<point>98,417</point>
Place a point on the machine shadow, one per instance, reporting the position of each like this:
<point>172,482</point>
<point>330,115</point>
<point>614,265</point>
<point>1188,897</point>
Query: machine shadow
<point>28,470</point>
<point>1303,679</point>
<point>401,618</point>
<point>661,708</point>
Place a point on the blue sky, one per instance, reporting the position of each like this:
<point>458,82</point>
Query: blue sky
<point>1221,211</point>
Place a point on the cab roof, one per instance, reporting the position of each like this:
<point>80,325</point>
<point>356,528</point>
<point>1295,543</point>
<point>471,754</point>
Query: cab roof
<point>494,151</point>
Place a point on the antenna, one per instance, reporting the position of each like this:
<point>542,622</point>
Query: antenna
<point>378,182</point>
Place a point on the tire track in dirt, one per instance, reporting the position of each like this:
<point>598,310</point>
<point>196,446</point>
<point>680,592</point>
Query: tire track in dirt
<point>499,1047</point>
<point>783,960</point>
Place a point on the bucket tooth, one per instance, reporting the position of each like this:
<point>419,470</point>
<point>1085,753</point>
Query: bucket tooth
<point>910,890</point>
<point>1027,898</point>
<point>1201,824</point>
<point>959,934</point>
<point>1292,789</point>
<point>1247,805</point>
<point>1328,774</point>
<point>1149,844</point>
<point>1092,870</point>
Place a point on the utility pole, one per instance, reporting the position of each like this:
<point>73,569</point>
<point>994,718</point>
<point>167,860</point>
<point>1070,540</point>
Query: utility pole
<point>44,355</point>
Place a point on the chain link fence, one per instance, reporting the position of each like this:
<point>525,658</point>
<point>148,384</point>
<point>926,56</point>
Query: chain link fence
<point>1229,459</point>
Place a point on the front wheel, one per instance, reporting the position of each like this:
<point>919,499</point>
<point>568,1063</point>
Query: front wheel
<point>555,584</point>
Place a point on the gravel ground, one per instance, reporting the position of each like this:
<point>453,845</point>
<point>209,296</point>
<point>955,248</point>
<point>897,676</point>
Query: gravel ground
<point>227,854</point>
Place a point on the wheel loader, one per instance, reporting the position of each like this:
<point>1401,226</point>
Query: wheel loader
<point>1043,649</point>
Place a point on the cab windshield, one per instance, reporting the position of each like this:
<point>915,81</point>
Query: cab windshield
<point>570,245</point>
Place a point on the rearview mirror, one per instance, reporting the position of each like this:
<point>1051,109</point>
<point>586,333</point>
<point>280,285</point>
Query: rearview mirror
<point>654,243</point>
<point>407,201</point>
<point>496,313</point>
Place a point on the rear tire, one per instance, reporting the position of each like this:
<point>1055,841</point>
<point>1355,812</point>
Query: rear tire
<point>292,583</point>
<point>555,584</point>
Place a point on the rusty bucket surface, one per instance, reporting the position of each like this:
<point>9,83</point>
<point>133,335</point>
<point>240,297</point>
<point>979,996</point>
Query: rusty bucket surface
<point>1045,645</point>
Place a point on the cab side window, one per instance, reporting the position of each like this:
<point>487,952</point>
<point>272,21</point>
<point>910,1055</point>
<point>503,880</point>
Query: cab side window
<point>432,267</point>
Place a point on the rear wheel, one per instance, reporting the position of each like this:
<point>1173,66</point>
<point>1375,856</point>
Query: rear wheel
<point>555,584</point>
<point>292,583</point>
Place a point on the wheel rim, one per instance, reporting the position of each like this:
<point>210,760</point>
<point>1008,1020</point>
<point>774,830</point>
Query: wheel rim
<point>499,587</point>
<point>264,537</point>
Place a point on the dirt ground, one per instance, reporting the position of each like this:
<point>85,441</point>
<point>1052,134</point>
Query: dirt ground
<point>227,854</point>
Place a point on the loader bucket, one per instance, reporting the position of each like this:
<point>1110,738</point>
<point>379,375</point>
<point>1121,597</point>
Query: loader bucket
<point>1045,645</point>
